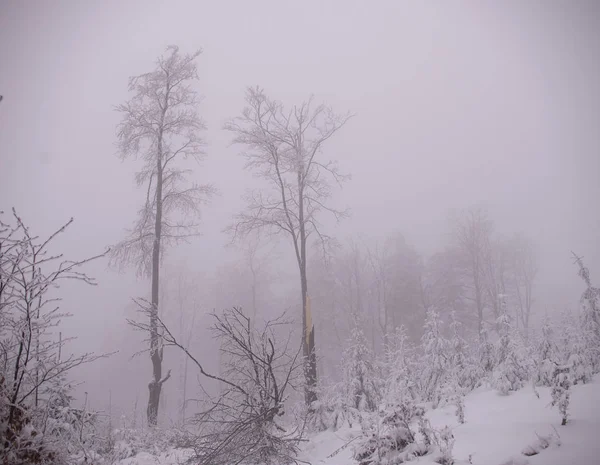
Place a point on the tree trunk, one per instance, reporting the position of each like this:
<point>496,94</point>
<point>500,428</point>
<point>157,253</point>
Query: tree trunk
<point>308,331</point>
<point>308,345</point>
<point>254,307</point>
<point>154,387</point>
<point>478,296</point>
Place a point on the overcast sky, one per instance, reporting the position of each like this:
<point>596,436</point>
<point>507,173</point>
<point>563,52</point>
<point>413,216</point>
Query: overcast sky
<point>457,103</point>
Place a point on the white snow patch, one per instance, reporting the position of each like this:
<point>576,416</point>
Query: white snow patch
<point>497,431</point>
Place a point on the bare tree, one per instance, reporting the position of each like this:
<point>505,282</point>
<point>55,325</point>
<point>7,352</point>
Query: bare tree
<point>524,272</point>
<point>240,424</point>
<point>161,126</point>
<point>31,366</point>
<point>396,283</point>
<point>379,268</point>
<point>445,285</point>
<point>472,232</point>
<point>285,149</point>
<point>495,273</point>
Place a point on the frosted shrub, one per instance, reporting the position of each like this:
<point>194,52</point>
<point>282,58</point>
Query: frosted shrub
<point>37,423</point>
<point>400,433</point>
<point>561,390</point>
<point>444,439</point>
<point>388,439</point>
<point>454,395</point>
<point>440,442</point>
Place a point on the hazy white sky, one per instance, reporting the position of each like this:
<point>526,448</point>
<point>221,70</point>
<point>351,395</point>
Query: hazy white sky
<point>456,103</point>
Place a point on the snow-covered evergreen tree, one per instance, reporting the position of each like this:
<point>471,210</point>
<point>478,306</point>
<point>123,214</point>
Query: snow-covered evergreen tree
<point>546,356</point>
<point>434,361</point>
<point>462,373</point>
<point>332,409</point>
<point>590,318</point>
<point>400,368</point>
<point>561,390</point>
<point>485,353</point>
<point>463,367</point>
<point>360,380</point>
<point>572,347</point>
<point>511,371</point>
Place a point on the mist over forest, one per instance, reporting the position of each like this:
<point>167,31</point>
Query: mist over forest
<point>315,199</point>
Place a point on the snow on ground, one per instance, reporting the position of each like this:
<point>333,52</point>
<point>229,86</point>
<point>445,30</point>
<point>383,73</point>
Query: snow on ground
<point>498,427</point>
<point>170,457</point>
<point>496,431</point>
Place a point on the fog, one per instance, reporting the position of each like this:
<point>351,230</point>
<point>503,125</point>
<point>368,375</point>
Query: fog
<point>456,105</point>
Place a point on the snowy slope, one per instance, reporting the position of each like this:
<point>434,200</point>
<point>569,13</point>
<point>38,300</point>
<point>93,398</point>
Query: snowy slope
<point>498,428</point>
<point>496,431</point>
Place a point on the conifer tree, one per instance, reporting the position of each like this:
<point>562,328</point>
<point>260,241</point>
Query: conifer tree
<point>359,372</point>
<point>434,360</point>
<point>510,372</point>
<point>546,356</point>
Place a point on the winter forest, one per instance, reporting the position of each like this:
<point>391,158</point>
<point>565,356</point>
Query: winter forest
<point>270,233</point>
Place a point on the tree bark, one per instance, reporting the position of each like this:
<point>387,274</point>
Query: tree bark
<point>156,353</point>
<point>308,332</point>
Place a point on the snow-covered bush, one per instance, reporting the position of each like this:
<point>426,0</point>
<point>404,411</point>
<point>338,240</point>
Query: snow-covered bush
<point>37,423</point>
<point>541,443</point>
<point>399,433</point>
<point>454,394</point>
<point>441,442</point>
<point>388,439</point>
<point>561,390</point>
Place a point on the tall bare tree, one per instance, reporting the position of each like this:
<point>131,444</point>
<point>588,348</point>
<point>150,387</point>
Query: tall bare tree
<point>524,272</point>
<point>495,271</point>
<point>160,125</point>
<point>472,231</point>
<point>285,148</point>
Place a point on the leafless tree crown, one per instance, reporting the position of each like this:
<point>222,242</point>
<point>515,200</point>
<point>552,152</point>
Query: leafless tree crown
<point>161,126</point>
<point>284,147</point>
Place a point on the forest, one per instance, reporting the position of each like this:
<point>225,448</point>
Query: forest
<point>288,306</point>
